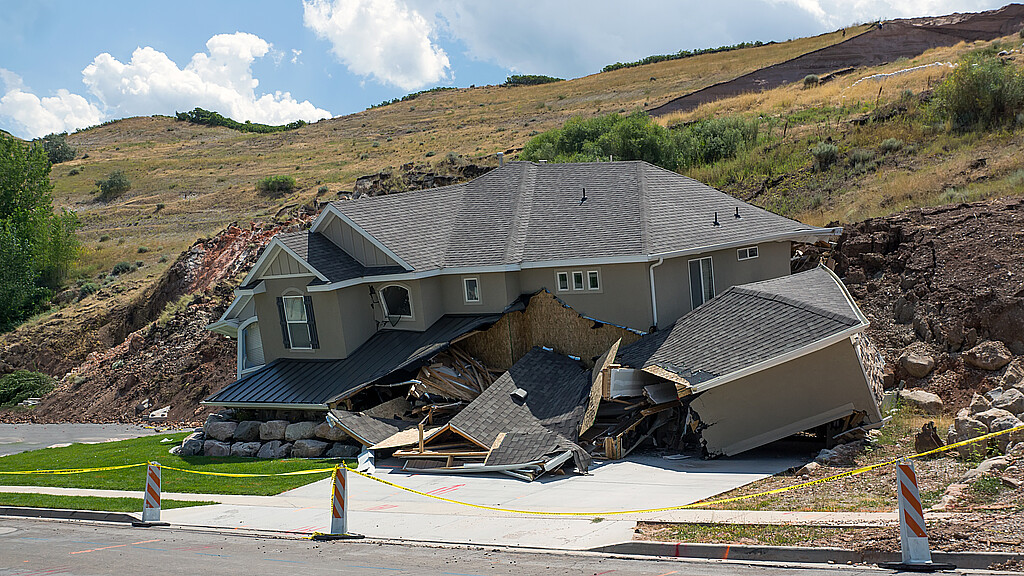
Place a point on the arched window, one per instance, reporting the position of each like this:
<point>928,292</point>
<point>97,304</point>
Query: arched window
<point>250,347</point>
<point>396,301</point>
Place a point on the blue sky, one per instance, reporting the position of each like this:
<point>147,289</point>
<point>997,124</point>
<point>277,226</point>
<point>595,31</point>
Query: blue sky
<point>69,64</point>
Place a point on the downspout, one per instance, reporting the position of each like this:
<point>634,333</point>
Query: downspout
<point>654,297</point>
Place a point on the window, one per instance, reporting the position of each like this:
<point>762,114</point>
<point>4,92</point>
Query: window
<point>472,290</point>
<point>702,281</point>
<point>593,282</point>
<point>577,280</point>
<point>251,347</point>
<point>297,323</point>
<point>396,301</point>
<point>746,253</point>
<point>563,281</point>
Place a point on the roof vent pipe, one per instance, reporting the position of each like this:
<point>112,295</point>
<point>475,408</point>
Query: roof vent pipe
<point>716,223</point>
<point>584,198</point>
<point>738,212</point>
<point>501,159</point>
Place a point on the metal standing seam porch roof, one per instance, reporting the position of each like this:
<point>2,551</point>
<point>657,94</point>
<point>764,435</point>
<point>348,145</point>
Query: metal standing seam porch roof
<point>313,383</point>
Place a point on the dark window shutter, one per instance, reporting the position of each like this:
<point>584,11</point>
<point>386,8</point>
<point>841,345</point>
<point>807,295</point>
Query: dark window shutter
<point>311,321</point>
<point>284,322</point>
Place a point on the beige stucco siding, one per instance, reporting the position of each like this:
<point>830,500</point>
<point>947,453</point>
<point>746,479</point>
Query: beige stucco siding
<point>494,294</point>
<point>326,311</point>
<point>672,277</point>
<point>798,395</point>
<point>355,244</point>
<point>624,297</point>
<point>356,316</point>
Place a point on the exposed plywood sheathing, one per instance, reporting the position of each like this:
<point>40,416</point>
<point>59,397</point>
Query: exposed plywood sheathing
<point>599,375</point>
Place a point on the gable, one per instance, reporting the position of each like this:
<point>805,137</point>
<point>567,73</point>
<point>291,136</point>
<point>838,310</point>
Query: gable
<point>279,263</point>
<point>355,244</point>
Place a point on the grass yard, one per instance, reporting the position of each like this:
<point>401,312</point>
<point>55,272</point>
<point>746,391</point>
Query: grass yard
<point>88,502</point>
<point>149,448</point>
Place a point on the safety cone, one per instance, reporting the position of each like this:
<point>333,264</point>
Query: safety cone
<point>151,498</point>
<point>913,537</point>
<point>339,508</point>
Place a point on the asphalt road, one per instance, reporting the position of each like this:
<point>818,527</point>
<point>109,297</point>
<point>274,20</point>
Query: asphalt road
<point>16,438</point>
<point>37,548</point>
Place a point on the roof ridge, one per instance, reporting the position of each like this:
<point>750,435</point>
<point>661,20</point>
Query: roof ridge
<point>522,210</point>
<point>794,303</point>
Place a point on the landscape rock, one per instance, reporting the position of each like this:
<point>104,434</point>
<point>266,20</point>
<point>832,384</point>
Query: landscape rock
<point>342,450</point>
<point>222,431</point>
<point>1011,400</point>
<point>921,400</point>
<point>968,429</point>
<point>327,432</point>
<point>979,404</point>
<point>989,355</point>
<point>917,365</point>
<point>245,449</point>
<point>247,431</point>
<point>990,415</point>
<point>192,445</point>
<point>808,469</point>
<point>1014,375</point>
<point>275,449</point>
<point>992,394</point>
<point>988,466</point>
<point>273,430</point>
<point>1000,424</point>
<point>299,431</point>
<point>216,448</point>
<point>215,417</point>
<point>308,448</point>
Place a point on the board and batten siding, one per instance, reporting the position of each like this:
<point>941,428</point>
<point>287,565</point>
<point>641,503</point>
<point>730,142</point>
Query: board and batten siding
<point>355,244</point>
<point>283,264</point>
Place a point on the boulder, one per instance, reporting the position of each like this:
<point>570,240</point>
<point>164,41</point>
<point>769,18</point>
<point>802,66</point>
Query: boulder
<point>220,430</point>
<point>1000,424</point>
<point>175,450</point>
<point>342,450</point>
<point>967,429</point>
<point>1011,400</point>
<point>808,469</point>
<point>989,355</point>
<point>988,466</point>
<point>825,456</point>
<point>307,448</point>
<point>299,431</point>
<point>327,432</point>
<point>275,449</point>
<point>192,445</point>
<point>979,404</point>
<point>990,415</point>
<point>245,449</point>
<point>247,431</point>
<point>923,401</point>
<point>273,430</point>
<point>216,448</point>
<point>217,417</point>
<point>994,393</point>
<point>1014,375</point>
<point>917,365</point>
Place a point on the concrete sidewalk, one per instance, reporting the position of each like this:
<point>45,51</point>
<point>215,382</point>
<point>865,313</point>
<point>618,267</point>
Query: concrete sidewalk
<point>381,511</point>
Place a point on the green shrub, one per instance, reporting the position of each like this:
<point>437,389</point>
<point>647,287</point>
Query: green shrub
<point>87,289</point>
<point>143,249</point>
<point>530,80</point>
<point>57,148</point>
<point>208,118</point>
<point>430,153</point>
<point>681,54</point>
<point>114,185</point>
<point>825,155</point>
<point>121,268</point>
<point>21,385</point>
<point>811,80</point>
<point>982,92</point>
<point>160,206</point>
<point>104,237</point>
<point>890,145</point>
<point>280,184</point>
<point>322,190</point>
<point>861,156</point>
<point>74,172</point>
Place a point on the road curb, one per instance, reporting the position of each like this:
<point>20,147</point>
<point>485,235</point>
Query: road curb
<point>967,560</point>
<point>59,514</point>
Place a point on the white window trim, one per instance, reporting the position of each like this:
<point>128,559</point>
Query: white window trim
<point>703,288</point>
<point>242,370</point>
<point>384,304</point>
<point>597,275</point>
<point>558,281</point>
<point>746,252</point>
<point>291,341</point>
<point>583,281</point>
<point>465,290</point>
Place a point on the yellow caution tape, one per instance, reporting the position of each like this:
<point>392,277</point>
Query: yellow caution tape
<point>74,470</point>
<point>241,475</point>
<point>702,503</point>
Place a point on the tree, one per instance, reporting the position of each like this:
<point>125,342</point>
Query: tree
<point>116,183</point>
<point>57,148</point>
<point>37,246</point>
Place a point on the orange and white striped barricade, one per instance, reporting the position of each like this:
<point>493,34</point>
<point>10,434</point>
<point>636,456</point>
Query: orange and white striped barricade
<point>339,508</point>
<point>151,498</point>
<point>913,535</point>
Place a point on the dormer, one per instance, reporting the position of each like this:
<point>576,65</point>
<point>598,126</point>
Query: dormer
<point>350,237</point>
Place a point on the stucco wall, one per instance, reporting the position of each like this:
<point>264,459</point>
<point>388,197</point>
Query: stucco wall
<point>325,309</point>
<point>672,277</point>
<point>766,406</point>
<point>624,297</point>
<point>357,322</point>
<point>494,295</point>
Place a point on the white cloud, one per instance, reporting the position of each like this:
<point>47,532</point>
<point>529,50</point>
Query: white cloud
<point>384,39</point>
<point>219,80</point>
<point>30,116</point>
<point>835,13</point>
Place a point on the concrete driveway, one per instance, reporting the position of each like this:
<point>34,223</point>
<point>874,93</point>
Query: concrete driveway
<point>380,511</point>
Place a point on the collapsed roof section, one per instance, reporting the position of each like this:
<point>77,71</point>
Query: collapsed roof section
<point>312,384</point>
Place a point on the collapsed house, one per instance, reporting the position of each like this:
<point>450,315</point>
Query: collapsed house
<point>542,315</point>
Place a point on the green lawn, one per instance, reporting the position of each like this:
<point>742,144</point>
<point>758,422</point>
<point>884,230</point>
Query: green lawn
<point>88,502</point>
<point>151,448</point>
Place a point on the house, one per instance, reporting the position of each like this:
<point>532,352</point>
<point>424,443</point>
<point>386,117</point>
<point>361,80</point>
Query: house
<point>379,285</point>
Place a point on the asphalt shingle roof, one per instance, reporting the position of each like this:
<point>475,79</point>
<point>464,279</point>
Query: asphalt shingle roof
<point>312,381</point>
<point>368,429</point>
<point>328,259</point>
<point>531,212</point>
<point>746,325</point>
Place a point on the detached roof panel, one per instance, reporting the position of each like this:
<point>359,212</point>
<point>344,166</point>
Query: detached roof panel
<point>317,382</point>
